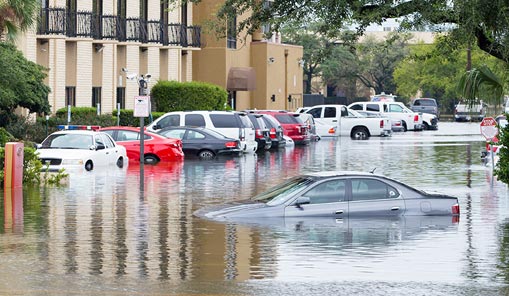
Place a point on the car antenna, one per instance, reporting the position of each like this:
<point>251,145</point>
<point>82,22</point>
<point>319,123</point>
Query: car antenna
<point>372,171</point>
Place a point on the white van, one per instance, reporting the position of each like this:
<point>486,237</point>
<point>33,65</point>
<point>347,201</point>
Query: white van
<point>235,125</point>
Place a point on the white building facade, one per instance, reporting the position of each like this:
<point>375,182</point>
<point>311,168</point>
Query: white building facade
<point>85,45</point>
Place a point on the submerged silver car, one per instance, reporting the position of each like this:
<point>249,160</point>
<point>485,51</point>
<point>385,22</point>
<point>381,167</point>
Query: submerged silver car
<point>338,195</point>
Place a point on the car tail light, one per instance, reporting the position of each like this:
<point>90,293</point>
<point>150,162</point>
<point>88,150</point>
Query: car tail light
<point>259,133</point>
<point>455,209</point>
<point>272,133</point>
<point>231,144</point>
<point>381,123</point>
<point>416,118</point>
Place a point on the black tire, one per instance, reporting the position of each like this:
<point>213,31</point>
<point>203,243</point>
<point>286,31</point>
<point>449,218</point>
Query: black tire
<point>360,133</point>
<point>404,127</point>
<point>120,162</point>
<point>206,154</point>
<point>425,126</point>
<point>89,165</point>
<point>150,159</point>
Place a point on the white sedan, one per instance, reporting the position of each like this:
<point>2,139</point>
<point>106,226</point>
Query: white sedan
<point>80,149</point>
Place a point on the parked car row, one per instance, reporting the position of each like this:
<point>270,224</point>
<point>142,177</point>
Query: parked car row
<point>201,134</point>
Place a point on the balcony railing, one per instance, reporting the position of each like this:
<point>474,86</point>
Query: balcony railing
<point>59,21</point>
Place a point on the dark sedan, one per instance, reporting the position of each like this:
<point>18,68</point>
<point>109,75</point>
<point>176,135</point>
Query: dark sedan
<point>339,195</point>
<point>202,142</point>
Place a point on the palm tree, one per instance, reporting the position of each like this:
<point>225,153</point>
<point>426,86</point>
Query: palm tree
<point>481,83</point>
<point>16,16</point>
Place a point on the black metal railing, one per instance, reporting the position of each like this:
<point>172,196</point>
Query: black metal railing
<point>86,24</point>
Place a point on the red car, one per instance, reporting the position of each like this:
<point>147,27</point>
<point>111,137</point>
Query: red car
<point>156,148</point>
<point>292,125</point>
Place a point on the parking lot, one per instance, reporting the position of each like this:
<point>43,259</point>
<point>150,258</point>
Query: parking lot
<point>101,234</point>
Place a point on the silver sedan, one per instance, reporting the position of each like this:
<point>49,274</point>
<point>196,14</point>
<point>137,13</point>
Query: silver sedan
<point>338,195</point>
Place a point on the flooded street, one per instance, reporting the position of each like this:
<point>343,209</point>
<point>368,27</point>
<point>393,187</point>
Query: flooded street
<point>101,235</point>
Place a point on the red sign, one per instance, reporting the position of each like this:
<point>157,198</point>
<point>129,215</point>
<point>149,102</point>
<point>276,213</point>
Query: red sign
<point>489,128</point>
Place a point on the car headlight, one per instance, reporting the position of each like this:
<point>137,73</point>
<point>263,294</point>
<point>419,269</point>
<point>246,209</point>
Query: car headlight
<point>72,162</point>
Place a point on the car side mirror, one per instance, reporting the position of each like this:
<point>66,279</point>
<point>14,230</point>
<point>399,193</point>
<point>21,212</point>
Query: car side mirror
<point>303,200</point>
<point>100,147</point>
<point>156,127</point>
<point>38,146</point>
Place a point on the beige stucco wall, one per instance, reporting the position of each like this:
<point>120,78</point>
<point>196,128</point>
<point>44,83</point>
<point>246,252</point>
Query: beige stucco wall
<point>281,78</point>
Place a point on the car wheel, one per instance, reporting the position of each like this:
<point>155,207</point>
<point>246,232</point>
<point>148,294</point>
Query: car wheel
<point>425,126</point>
<point>89,165</point>
<point>120,162</point>
<point>150,159</point>
<point>404,127</point>
<point>360,133</point>
<point>206,154</point>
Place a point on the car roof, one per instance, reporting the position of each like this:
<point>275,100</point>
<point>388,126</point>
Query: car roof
<point>327,174</point>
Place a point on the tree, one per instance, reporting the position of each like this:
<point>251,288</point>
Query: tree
<point>484,22</point>
<point>371,62</point>
<point>317,49</point>
<point>435,69</point>
<point>17,15</point>
<point>21,84</point>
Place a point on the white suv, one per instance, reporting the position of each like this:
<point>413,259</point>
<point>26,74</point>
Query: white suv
<point>235,125</point>
<point>394,110</point>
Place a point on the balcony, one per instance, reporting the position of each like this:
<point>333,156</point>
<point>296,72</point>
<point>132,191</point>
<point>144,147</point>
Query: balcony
<point>59,21</point>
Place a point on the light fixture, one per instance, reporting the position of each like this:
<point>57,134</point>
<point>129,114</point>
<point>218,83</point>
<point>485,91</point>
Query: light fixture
<point>289,98</point>
<point>273,98</point>
<point>271,60</point>
<point>300,62</point>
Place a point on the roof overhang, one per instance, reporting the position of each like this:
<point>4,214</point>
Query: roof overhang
<point>241,79</point>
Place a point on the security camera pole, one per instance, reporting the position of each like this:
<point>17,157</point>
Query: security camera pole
<point>141,110</point>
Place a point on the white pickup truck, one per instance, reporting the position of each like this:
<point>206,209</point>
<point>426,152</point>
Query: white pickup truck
<point>397,110</point>
<point>349,123</point>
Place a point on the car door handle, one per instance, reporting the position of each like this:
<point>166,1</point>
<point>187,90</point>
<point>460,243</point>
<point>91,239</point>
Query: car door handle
<point>334,121</point>
<point>339,212</point>
<point>395,209</point>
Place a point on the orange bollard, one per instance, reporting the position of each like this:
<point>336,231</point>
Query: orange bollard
<point>13,170</point>
<point>13,209</point>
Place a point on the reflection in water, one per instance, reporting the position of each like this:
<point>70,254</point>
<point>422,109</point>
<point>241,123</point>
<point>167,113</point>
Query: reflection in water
<point>102,227</point>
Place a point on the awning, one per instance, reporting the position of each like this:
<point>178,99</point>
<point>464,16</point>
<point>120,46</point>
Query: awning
<point>241,78</point>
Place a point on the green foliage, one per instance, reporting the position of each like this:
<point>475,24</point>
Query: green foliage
<point>483,22</point>
<point>318,49</point>
<point>17,15</point>
<point>31,166</point>
<point>177,96</point>
<point>127,118</point>
<point>85,116</point>
<point>21,85</point>
<point>5,137</point>
<point>435,69</point>
<point>502,168</point>
<point>481,83</point>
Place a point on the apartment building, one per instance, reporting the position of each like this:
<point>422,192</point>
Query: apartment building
<point>86,44</point>
<point>257,72</point>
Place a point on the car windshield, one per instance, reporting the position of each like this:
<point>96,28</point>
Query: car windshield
<point>68,141</point>
<point>280,193</point>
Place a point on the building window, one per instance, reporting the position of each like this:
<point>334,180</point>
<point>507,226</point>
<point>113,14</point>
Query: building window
<point>121,97</point>
<point>70,96</point>
<point>96,96</point>
<point>183,11</point>
<point>231,37</point>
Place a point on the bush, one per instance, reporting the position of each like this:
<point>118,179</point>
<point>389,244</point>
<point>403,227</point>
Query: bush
<point>170,96</point>
<point>84,116</point>
<point>502,168</point>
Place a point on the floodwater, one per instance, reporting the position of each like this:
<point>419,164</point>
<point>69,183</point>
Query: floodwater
<point>100,234</point>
